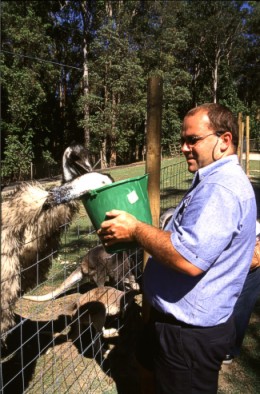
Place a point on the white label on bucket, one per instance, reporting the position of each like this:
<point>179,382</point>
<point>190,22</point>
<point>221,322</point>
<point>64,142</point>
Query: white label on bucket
<point>132,197</point>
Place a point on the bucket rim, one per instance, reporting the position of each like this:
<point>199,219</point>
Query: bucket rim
<point>114,184</point>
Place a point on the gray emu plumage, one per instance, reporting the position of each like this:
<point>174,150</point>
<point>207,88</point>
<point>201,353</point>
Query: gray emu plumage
<point>33,220</point>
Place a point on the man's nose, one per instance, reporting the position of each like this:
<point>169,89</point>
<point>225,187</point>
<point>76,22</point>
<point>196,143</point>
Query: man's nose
<point>185,148</point>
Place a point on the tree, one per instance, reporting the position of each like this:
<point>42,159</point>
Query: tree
<point>78,71</point>
<point>160,43</point>
<point>26,84</point>
<point>117,87</point>
<point>213,34</point>
<point>246,69</point>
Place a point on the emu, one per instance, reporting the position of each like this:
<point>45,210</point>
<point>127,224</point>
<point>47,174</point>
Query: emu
<point>33,220</point>
<point>96,265</point>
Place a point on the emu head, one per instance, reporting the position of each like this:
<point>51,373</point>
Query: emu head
<point>76,188</point>
<point>75,162</point>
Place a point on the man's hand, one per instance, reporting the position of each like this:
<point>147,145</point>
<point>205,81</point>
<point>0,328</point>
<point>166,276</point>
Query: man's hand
<point>120,226</point>
<point>123,227</point>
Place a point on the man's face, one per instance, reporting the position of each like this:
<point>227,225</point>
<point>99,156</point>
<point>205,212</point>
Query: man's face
<point>198,153</point>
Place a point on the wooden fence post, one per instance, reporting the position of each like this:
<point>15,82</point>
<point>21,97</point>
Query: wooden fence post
<point>242,143</point>
<point>31,171</point>
<point>239,137</point>
<point>153,155</point>
<point>247,146</point>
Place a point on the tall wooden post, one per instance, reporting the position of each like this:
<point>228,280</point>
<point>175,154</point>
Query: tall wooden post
<point>153,154</point>
<point>242,131</point>
<point>247,146</point>
<point>153,144</point>
<point>239,137</point>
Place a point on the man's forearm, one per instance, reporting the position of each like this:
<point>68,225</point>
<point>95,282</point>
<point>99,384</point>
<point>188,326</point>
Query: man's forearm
<point>120,226</point>
<point>158,244</point>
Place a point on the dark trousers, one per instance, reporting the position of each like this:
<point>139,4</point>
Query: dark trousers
<point>184,359</point>
<point>244,307</point>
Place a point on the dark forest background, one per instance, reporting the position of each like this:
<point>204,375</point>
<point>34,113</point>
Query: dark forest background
<point>78,71</point>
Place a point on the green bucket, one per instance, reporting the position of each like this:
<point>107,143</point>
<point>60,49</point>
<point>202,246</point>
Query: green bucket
<point>129,195</point>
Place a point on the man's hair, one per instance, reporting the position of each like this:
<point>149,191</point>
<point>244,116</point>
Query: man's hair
<point>220,119</point>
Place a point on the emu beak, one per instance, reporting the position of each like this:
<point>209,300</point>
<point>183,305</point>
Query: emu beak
<point>83,167</point>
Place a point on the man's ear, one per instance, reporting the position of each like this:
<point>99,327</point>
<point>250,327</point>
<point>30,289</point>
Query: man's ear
<point>225,141</point>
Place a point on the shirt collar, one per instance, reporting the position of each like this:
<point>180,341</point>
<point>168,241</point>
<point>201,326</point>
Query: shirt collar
<point>203,172</point>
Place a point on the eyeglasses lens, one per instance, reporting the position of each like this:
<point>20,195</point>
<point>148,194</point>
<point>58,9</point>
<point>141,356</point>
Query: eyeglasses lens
<point>189,140</point>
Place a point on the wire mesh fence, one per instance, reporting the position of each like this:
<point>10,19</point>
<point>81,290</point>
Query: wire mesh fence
<point>175,180</point>
<point>82,338</point>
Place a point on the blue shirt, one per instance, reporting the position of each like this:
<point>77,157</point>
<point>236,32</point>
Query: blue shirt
<point>213,227</point>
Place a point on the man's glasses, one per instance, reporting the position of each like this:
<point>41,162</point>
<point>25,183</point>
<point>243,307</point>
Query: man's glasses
<point>191,140</point>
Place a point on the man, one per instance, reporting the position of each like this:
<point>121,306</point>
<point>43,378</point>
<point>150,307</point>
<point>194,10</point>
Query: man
<point>199,262</point>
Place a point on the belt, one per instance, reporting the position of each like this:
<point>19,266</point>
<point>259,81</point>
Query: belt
<point>161,317</point>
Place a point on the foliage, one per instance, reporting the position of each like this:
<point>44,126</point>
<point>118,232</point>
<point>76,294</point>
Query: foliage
<point>18,157</point>
<point>68,74</point>
<point>26,85</point>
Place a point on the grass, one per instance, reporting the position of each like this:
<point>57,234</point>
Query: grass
<point>138,169</point>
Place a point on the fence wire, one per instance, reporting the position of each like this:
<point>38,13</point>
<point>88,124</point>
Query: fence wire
<point>175,181</point>
<point>70,344</point>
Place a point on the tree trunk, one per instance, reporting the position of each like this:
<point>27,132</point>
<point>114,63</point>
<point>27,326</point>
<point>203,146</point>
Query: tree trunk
<point>137,152</point>
<point>195,77</point>
<point>85,18</point>
<point>103,154</point>
<point>113,137</point>
<point>113,158</point>
<point>62,103</point>
<point>215,84</point>
<point>215,74</point>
